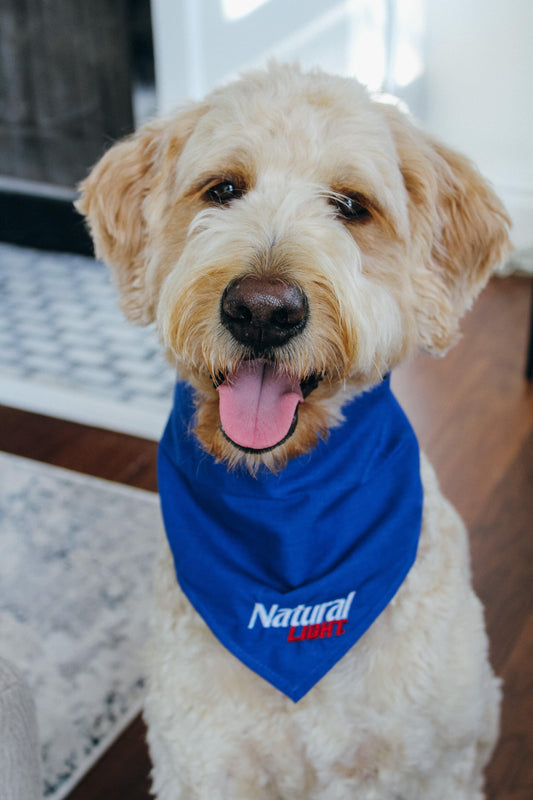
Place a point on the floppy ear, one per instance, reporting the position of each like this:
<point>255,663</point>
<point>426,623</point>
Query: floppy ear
<point>113,198</point>
<point>459,231</point>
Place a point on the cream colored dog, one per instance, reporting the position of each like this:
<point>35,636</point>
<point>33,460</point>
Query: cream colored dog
<point>291,217</point>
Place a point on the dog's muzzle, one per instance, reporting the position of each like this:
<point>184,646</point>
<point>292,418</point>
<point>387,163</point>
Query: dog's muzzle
<point>263,313</point>
<point>258,402</point>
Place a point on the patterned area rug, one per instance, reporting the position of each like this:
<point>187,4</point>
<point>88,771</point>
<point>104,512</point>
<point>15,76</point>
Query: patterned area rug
<point>67,351</point>
<point>75,582</point>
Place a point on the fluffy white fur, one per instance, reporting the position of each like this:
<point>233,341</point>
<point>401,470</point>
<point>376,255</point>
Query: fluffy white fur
<point>411,712</point>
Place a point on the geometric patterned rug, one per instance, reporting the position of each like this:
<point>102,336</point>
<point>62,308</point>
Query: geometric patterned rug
<point>75,585</point>
<point>67,351</point>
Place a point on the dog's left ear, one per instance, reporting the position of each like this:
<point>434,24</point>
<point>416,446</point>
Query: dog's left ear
<point>459,231</point>
<point>113,197</point>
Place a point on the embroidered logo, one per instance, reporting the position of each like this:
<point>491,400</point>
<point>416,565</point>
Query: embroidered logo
<point>319,621</point>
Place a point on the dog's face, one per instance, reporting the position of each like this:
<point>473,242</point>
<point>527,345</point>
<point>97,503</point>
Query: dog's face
<point>293,240</point>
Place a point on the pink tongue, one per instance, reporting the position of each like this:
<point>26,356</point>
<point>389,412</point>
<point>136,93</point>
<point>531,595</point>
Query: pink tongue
<point>257,405</point>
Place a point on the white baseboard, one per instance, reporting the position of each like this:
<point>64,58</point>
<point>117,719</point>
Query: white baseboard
<point>519,204</point>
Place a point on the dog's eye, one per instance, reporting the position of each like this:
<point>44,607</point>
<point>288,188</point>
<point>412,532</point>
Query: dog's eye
<point>350,207</point>
<point>223,193</point>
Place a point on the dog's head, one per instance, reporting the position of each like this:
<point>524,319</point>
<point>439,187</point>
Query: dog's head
<point>293,240</point>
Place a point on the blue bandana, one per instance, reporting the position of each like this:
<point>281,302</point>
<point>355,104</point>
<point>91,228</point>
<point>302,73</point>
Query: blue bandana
<point>290,570</point>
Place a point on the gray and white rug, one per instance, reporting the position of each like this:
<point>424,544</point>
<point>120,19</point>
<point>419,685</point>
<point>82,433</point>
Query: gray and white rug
<point>67,351</point>
<point>76,556</point>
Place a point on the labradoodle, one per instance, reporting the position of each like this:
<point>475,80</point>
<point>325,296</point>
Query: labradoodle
<point>315,632</point>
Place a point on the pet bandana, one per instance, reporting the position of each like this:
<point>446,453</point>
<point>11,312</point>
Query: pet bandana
<point>290,570</point>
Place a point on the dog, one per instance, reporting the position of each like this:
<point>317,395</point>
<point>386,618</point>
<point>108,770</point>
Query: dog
<point>315,632</point>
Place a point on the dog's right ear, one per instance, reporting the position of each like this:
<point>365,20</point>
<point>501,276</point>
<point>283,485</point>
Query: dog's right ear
<point>112,200</point>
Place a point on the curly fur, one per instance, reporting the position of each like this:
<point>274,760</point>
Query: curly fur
<point>411,712</point>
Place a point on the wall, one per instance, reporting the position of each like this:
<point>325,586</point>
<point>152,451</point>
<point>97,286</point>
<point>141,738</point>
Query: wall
<point>479,93</point>
<point>198,45</point>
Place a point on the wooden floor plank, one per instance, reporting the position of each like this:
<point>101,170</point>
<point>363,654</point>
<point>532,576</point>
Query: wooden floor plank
<point>501,544</point>
<point>510,773</point>
<point>472,409</point>
<point>106,454</point>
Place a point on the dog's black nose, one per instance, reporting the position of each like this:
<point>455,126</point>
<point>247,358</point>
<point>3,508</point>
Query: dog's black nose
<point>263,312</point>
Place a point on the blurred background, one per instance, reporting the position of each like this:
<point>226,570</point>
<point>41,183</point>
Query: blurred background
<point>77,74</point>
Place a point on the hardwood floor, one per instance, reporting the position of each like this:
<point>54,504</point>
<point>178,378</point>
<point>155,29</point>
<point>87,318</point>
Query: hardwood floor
<point>473,412</point>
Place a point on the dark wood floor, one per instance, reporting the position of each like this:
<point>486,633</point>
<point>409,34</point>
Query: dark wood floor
<point>473,412</point>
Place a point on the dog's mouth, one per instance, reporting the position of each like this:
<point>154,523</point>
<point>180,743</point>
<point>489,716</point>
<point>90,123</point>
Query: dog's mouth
<point>258,405</point>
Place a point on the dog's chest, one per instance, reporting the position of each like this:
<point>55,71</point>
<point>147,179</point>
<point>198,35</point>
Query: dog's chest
<point>375,707</point>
